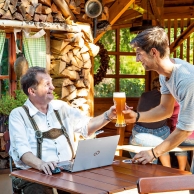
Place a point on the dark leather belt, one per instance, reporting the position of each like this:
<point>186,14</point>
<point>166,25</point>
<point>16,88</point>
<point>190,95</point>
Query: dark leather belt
<point>51,134</point>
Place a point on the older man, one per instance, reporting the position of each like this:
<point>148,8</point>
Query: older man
<point>42,131</point>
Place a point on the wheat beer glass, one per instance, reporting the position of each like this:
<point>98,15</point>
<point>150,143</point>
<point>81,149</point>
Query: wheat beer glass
<point>119,99</point>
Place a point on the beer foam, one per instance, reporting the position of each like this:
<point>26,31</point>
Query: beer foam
<point>119,94</point>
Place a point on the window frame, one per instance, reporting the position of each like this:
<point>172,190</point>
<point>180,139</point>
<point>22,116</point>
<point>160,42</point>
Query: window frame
<point>118,76</point>
<point>11,77</point>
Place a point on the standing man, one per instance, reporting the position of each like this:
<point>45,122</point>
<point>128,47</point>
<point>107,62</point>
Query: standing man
<point>177,83</point>
<point>42,132</point>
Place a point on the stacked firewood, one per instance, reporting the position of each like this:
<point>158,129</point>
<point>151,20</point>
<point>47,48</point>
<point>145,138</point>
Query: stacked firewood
<point>30,10</point>
<point>71,65</point>
<point>45,10</point>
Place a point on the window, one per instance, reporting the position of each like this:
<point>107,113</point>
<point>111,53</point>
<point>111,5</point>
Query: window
<point>7,75</point>
<point>4,68</point>
<point>124,73</point>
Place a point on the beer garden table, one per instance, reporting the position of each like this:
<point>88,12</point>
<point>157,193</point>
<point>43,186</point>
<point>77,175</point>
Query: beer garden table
<point>116,178</point>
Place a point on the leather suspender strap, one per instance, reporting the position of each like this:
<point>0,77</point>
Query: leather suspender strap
<point>38,133</point>
<point>65,133</point>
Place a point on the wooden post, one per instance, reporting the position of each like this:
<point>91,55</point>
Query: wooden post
<point>121,132</point>
<point>13,78</point>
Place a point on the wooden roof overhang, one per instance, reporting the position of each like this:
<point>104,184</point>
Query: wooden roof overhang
<point>131,13</point>
<point>121,13</point>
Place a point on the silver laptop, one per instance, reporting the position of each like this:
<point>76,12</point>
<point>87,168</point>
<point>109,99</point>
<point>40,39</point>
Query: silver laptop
<point>92,153</point>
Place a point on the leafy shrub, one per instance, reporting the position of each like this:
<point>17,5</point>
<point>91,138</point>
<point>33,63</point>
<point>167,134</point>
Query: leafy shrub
<point>8,103</point>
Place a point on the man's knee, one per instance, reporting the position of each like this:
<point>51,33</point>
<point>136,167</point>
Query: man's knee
<point>35,188</point>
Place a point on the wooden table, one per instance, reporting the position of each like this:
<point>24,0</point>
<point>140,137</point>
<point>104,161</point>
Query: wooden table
<point>116,178</point>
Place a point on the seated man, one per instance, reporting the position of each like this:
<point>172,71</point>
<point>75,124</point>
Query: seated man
<point>42,131</point>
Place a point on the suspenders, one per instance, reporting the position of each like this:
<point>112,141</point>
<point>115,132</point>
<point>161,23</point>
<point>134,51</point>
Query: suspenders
<point>51,134</point>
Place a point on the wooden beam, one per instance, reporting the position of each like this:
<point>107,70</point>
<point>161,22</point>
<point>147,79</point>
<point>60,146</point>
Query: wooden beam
<point>117,9</point>
<point>155,11</point>
<point>137,8</point>
<point>161,11</point>
<point>122,26</point>
<point>4,77</point>
<point>182,37</point>
<point>127,24</point>
<point>179,12</point>
<point>160,3</point>
<point>39,25</point>
<point>146,7</point>
<point>175,35</point>
<point>181,46</point>
<point>104,2</point>
<point>12,75</point>
<point>115,12</point>
<point>129,15</point>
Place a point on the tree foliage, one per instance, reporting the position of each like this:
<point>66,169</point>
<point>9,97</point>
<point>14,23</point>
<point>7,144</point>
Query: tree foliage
<point>125,39</point>
<point>128,67</point>
<point>105,88</point>
<point>133,87</point>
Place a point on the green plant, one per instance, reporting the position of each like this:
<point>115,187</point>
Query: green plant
<point>55,96</point>
<point>8,103</point>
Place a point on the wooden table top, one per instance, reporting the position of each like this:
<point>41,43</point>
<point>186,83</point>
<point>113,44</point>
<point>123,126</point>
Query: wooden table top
<point>117,177</point>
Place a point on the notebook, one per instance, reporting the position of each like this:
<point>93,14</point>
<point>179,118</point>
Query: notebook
<point>92,153</point>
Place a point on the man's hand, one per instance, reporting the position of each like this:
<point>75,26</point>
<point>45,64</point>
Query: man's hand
<point>128,107</point>
<point>143,157</point>
<point>112,112</point>
<point>31,160</point>
<point>130,115</point>
<point>46,167</point>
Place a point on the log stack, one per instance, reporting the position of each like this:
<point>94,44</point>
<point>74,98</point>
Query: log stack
<point>31,10</point>
<point>71,51</point>
<point>71,65</point>
<point>52,11</point>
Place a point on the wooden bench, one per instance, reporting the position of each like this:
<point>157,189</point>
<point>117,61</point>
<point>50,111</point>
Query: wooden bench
<point>165,184</point>
<point>137,149</point>
<point>125,133</point>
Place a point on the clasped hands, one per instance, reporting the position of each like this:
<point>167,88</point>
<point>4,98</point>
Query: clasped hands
<point>129,114</point>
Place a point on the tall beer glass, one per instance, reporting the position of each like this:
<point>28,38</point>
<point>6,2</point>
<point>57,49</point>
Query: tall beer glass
<point>119,99</point>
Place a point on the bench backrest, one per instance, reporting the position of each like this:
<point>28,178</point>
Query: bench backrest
<point>165,184</point>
